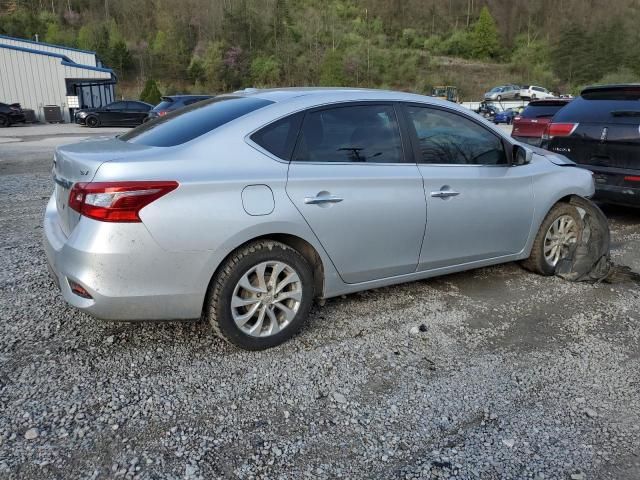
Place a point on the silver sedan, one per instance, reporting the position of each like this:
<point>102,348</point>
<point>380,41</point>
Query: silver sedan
<point>246,207</point>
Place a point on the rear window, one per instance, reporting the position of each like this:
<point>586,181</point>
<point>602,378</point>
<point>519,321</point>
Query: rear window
<point>193,121</point>
<point>279,138</point>
<point>541,111</point>
<point>163,105</point>
<point>588,110</point>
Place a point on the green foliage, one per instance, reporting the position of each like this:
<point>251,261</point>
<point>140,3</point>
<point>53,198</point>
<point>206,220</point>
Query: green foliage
<point>459,44</point>
<point>215,45</point>
<point>265,71</point>
<point>151,93</point>
<point>332,70</point>
<point>485,39</point>
<point>621,75</point>
<point>196,71</point>
<point>119,57</point>
<point>58,35</point>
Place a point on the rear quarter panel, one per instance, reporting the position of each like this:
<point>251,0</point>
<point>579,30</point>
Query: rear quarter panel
<point>206,213</point>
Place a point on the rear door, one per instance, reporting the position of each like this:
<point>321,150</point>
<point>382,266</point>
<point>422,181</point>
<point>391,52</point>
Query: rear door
<point>137,111</point>
<point>113,114</point>
<point>352,181</point>
<point>478,207</point>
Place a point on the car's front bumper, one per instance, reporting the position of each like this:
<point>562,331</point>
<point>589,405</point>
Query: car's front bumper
<point>128,275</point>
<point>81,120</point>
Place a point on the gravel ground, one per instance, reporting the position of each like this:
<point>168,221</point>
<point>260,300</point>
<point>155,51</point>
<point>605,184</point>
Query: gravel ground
<point>489,374</point>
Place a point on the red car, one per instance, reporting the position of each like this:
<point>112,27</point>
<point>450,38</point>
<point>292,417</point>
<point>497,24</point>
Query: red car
<point>529,126</point>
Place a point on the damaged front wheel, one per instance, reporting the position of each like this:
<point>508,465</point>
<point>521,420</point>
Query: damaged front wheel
<point>561,228</point>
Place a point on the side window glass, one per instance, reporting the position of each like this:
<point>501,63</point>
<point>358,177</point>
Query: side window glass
<point>278,138</point>
<point>117,106</point>
<point>358,133</point>
<point>448,138</point>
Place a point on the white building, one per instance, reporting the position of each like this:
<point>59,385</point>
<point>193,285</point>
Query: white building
<point>36,74</point>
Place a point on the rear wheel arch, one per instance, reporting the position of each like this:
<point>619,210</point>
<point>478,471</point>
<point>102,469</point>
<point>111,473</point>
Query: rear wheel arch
<point>299,244</point>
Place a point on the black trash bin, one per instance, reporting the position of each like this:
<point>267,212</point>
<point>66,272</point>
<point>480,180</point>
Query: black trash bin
<point>53,114</point>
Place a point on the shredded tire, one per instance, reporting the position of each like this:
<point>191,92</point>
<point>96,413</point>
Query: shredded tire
<point>536,262</point>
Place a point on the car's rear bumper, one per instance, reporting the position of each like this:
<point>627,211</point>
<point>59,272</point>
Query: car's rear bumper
<point>17,118</point>
<point>128,275</point>
<point>611,186</point>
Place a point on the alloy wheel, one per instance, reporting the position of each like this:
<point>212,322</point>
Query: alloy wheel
<point>563,232</point>
<point>266,299</point>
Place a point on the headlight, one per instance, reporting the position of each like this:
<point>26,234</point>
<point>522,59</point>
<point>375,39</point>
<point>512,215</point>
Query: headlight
<point>81,114</point>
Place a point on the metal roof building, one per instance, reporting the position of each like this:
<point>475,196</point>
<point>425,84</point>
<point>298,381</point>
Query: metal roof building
<point>38,74</point>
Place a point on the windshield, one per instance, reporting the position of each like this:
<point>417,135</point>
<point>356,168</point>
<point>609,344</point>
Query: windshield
<point>187,123</point>
<point>496,89</point>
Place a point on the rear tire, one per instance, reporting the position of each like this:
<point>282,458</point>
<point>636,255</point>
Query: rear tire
<point>544,258</point>
<point>92,122</point>
<point>4,121</point>
<point>253,309</point>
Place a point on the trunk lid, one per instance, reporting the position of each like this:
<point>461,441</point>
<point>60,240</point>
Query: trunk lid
<point>79,162</point>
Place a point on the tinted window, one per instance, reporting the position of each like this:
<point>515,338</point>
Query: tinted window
<point>449,138</point>
<point>582,110</point>
<point>189,101</point>
<point>137,106</point>
<point>541,111</point>
<point>117,106</point>
<point>190,122</point>
<point>164,104</point>
<point>279,137</point>
<point>364,133</point>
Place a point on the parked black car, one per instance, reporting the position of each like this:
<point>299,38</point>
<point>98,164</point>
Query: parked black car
<point>600,131</point>
<point>174,102</point>
<point>10,114</point>
<point>124,113</point>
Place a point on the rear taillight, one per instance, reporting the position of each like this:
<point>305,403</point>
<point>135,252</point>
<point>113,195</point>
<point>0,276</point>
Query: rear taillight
<point>632,178</point>
<point>559,130</point>
<point>162,113</point>
<point>116,201</point>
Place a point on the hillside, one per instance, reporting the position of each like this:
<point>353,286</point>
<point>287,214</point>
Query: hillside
<point>222,45</point>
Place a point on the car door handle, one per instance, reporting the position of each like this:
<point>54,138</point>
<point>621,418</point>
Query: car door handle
<point>320,199</point>
<point>444,194</point>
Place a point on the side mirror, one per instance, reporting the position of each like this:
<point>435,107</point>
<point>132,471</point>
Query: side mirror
<point>521,155</point>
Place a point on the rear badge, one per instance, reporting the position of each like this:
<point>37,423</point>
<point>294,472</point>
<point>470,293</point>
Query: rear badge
<point>603,135</point>
<point>561,149</point>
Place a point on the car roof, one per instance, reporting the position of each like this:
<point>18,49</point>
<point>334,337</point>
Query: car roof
<point>611,88</point>
<point>189,95</point>
<point>322,95</point>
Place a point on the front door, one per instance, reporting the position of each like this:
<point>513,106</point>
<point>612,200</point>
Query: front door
<point>350,180</point>
<point>478,206</point>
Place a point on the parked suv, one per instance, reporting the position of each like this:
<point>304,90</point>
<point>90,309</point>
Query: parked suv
<point>10,114</point>
<point>173,102</point>
<point>505,92</point>
<point>534,92</point>
<point>600,130</point>
<point>530,125</point>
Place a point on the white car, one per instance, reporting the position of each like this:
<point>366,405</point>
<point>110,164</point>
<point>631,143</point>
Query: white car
<point>534,92</point>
